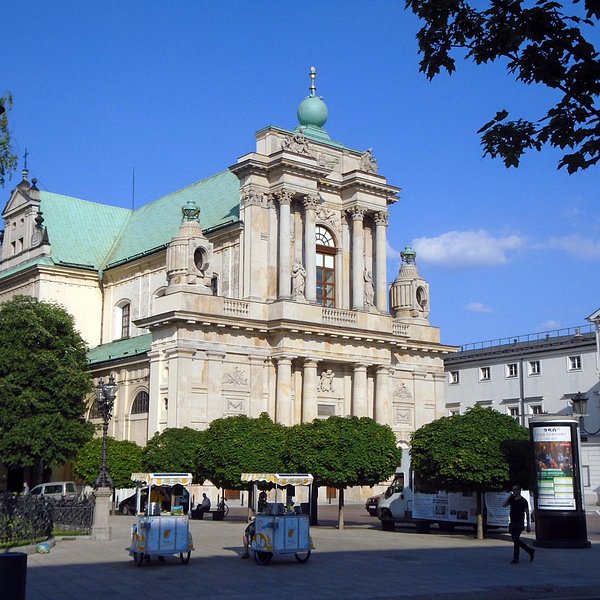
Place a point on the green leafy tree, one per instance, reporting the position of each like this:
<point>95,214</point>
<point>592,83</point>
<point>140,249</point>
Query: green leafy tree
<point>174,450</point>
<point>240,444</point>
<point>124,458</point>
<point>542,43</point>
<point>43,383</point>
<point>8,160</point>
<point>470,453</point>
<point>341,452</point>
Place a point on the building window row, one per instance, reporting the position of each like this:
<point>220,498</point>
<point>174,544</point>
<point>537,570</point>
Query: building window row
<point>534,368</point>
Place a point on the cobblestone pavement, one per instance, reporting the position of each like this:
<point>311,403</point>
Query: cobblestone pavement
<point>360,561</point>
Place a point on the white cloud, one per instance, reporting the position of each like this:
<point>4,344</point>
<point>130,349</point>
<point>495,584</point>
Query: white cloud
<point>466,249</point>
<point>550,325</point>
<point>575,245</point>
<point>478,307</point>
<point>392,253</point>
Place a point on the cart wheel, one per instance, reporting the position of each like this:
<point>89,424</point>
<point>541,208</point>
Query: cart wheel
<point>262,558</point>
<point>138,558</point>
<point>185,558</point>
<point>302,557</point>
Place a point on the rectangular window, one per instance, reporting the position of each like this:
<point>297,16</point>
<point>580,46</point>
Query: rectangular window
<point>512,370</point>
<point>484,373</point>
<point>454,377</point>
<point>125,321</point>
<point>534,367</point>
<point>454,412</point>
<point>536,409</point>
<point>513,411</point>
<point>574,363</point>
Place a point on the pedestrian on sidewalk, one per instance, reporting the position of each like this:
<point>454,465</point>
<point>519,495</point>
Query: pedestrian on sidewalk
<point>519,515</point>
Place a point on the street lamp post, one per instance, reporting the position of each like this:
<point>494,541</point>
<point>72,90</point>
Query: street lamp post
<point>105,398</point>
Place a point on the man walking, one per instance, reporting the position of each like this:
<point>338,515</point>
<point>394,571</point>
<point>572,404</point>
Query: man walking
<point>519,513</point>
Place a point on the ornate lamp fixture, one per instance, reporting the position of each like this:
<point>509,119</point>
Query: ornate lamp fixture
<point>105,398</point>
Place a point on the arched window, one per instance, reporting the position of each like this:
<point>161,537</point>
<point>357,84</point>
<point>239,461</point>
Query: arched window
<point>140,404</point>
<point>95,411</point>
<point>325,267</point>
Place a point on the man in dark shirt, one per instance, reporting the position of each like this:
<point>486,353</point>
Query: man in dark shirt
<point>519,513</point>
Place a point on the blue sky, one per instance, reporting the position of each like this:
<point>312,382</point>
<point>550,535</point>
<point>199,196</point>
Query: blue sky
<point>177,89</point>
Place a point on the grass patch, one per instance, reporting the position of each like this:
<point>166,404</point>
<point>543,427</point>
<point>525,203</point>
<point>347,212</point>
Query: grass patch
<point>69,532</point>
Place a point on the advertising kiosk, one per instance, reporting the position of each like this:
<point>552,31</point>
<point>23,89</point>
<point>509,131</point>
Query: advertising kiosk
<point>558,497</point>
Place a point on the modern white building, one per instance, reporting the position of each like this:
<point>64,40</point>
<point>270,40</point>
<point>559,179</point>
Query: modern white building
<point>261,289</point>
<point>535,374</point>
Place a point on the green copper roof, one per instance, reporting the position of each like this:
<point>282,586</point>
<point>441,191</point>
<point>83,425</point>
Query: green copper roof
<point>155,224</point>
<point>97,235</point>
<point>120,349</point>
<point>81,232</point>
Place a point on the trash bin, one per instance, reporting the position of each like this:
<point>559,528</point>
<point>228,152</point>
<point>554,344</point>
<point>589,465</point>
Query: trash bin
<point>13,575</point>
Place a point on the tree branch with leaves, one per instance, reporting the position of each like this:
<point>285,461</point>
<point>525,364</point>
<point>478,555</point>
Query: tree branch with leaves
<point>8,160</point>
<point>542,44</point>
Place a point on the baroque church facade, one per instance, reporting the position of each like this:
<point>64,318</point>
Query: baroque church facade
<point>261,289</point>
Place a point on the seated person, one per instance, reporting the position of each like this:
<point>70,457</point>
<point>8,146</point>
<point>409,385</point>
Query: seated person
<point>262,502</point>
<point>204,506</point>
<point>248,535</point>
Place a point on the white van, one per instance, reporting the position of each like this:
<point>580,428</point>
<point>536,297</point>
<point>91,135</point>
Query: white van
<point>57,490</point>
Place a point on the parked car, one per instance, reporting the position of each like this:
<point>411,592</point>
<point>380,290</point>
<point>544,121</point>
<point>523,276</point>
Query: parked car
<point>372,503</point>
<point>159,494</point>
<point>129,505</point>
<point>57,490</point>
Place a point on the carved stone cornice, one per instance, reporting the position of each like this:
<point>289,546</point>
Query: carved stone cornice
<point>252,197</point>
<point>284,196</point>
<point>357,213</point>
<point>297,143</point>
<point>381,218</point>
<point>329,217</point>
<point>311,201</point>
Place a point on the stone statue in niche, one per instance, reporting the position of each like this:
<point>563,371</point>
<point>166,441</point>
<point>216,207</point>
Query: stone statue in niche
<point>369,288</point>
<point>326,381</point>
<point>298,280</point>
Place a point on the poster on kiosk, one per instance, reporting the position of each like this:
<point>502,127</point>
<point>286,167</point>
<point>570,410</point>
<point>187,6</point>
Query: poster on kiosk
<point>559,507</point>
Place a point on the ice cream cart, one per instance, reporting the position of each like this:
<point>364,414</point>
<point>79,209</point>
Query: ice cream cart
<point>159,533</point>
<point>280,528</point>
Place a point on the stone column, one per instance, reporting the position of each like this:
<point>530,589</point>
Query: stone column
<point>359,391</point>
<point>283,408</point>
<point>284,198</point>
<point>310,252</point>
<point>381,221</point>
<point>382,403</point>
<point>309,391</point>
<point>358,260</point>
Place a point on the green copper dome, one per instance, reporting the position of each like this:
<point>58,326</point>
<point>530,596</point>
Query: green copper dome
<point>312,111</point>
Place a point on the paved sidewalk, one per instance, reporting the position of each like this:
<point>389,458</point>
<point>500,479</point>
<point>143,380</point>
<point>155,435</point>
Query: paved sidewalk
<point>358,562</point>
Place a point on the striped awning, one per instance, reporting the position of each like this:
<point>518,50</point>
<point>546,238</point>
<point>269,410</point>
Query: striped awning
<point>279,478</point>
<point>163,478</point>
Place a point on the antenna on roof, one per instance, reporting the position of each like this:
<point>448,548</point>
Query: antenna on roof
<point>133,188</point>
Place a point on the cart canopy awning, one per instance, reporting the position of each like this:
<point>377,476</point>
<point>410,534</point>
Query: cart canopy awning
<point>163,478</point>
<point>279,478</point>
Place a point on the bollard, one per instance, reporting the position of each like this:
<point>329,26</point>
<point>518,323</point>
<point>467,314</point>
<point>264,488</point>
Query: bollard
<point>13,575</point>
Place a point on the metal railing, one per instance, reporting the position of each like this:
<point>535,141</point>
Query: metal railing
<point>543,336</point>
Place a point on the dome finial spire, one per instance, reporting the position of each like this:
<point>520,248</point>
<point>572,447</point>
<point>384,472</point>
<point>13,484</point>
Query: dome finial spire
<point>313,81</point>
